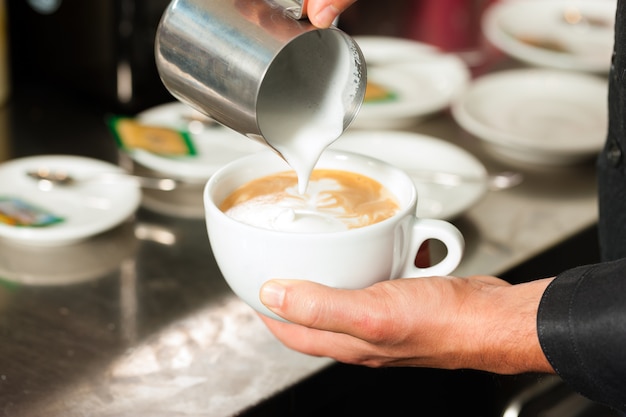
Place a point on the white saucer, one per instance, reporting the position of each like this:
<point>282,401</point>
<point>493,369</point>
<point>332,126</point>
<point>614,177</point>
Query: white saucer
<point>423,79</point>
<point>549,40</point>
<point>414,152</point>
<point>539,116</point>
<point>216,145</point>
<point>87,208</point>
<point>389,50</point>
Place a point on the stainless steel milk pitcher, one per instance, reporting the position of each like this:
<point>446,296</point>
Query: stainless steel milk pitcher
<point>251,64</point>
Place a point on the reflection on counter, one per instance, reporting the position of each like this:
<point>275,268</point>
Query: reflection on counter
<point>68,264</point>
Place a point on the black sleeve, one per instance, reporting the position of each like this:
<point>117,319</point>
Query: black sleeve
<point>582,330</point>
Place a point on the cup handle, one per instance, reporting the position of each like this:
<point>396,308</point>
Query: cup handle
<point>448,234</point>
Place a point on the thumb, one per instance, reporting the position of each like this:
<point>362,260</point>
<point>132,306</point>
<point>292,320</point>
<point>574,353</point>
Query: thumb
<point>322,13</point>
<point>314,305</point>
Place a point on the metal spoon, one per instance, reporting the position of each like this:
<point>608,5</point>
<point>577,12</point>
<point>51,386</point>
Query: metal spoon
<point>495,182</point>
<point>49,178</point>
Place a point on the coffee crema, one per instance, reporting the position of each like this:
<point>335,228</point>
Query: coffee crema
<point>334,200</point>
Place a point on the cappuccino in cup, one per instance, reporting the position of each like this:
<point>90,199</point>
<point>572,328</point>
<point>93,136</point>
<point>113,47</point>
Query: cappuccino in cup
<point>334,201</point>
<point>354,226</point>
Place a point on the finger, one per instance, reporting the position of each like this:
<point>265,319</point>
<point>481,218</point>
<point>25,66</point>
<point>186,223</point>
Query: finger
<point>296,337</point>
<point>322,13</point>
<point>338,346</point>
<point>357,312</point>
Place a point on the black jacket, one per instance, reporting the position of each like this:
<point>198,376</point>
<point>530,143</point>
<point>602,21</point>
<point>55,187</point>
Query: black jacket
<point>582,314</point>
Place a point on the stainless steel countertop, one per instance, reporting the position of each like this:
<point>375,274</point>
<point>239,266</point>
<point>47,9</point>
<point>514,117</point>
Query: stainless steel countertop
<point>146,326</point>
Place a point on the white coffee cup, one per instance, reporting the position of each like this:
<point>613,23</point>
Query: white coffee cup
<point>248,256</point>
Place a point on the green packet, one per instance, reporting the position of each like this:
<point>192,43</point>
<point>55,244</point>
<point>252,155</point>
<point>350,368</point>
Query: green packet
<point>376,93</point>
<point>20,213</point>
<point>131,135</point>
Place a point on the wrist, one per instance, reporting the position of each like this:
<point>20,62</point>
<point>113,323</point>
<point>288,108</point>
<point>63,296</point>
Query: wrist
<point>509,341</point>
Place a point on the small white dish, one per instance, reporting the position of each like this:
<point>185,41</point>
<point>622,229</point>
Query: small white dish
<point>216,145</point>
<point>555,33</point>
<point>87,208</point>
<point>390,50</point>
<point>423,79</point>
<point>537,116</point>
<point>421,153</point>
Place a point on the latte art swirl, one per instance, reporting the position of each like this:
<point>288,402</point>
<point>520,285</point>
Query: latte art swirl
<point>334,200</point>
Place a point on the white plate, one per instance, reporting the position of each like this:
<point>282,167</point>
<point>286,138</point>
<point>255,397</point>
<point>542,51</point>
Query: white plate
<point>216,145</point>
<point>424,80</point>
<point>88,208</point>
<point>539,116</point>
<point>580,46</point>
<point>388,50</point>
<point>414,152</point>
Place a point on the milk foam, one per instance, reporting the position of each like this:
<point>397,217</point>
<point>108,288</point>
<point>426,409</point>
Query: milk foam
<point>285,219</point>
<point>334,201</point>
<point>291,211</point>
<point>302,106</point>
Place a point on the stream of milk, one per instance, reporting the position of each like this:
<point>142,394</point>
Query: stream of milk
<point>303,100</point>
